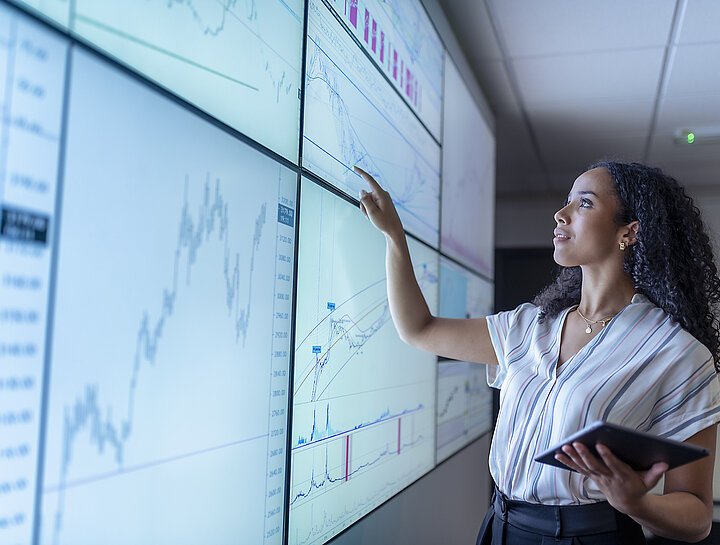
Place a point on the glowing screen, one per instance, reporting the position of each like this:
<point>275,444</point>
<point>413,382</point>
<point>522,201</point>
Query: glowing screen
<point>364,402</point>
<point>32,70</point>
<point>464,400</point>
<point>239,60</point>
<point>353,117</point>
<point>401,39</point>
<point>464,406</point>
<point>168,315</point>
<point>468,195</point>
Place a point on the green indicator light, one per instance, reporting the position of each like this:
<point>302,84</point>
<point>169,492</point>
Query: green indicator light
<point>691,137</point>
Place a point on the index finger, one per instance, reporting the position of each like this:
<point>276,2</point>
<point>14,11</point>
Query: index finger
<point>369,179</point>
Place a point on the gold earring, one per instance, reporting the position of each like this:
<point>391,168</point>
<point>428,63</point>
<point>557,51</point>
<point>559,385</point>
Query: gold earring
<point>623,245</point>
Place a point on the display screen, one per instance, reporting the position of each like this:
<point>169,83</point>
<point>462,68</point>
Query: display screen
<point>238,61</point>
<point>354,117</point>
<point>464,407</point>
<point>363,401</point>
<point>400,38</point>
<point>147,289</point>
<point>463,294</point>
<point>196,343</point>
<point>468,196</point>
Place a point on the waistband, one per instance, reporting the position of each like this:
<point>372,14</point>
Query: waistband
<point>556,520</point>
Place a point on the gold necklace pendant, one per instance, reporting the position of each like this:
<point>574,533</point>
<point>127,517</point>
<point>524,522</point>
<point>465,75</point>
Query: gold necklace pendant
<point>588,329</point>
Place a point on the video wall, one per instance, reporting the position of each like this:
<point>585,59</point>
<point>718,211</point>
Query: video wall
<point>195,339</point>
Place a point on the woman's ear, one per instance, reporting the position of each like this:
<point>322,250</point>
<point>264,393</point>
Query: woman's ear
<point>632,229</point>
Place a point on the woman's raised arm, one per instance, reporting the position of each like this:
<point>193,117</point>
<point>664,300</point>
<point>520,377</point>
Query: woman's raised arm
<point>467,340</point>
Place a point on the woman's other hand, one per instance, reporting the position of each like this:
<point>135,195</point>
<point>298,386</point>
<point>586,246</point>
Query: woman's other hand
<point>378,206</point>
<point>623,487</point>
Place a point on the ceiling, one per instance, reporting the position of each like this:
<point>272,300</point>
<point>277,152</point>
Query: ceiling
<point>575,81</point>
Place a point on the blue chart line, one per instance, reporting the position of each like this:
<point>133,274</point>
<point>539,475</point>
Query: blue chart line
<point>326,478</point>
<point>317,436</point>
<point>193,232</point>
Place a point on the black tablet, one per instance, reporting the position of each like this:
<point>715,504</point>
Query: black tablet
<point>637,449</point>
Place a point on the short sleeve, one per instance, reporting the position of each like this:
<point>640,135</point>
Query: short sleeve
<point>508,330</point>
<point>688,396</point>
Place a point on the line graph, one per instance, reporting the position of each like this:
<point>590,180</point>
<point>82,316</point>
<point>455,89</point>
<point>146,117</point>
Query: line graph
<point>401,39</point>
<point>239,60</point>
<point>178,314</point>
<point>363,400</point>
<point>353,117</point>
<point>464,406</point>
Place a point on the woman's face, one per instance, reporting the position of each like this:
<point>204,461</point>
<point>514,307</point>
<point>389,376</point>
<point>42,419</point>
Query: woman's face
<point>586,232</point>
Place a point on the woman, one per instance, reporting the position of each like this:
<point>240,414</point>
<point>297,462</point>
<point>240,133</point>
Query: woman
<point>625,334</point>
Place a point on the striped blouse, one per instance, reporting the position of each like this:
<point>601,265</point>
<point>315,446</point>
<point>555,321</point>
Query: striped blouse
<point>642,371</point>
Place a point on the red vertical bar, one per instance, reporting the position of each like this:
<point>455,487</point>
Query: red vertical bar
<point>382,46</point>
<point>347,457</point>
<point>395,65</point>
<point>374,36</point>
<point>367,25</point>
<point>353,12</point>
<point>408,83</point>
<point>399,428</point>
<point>416,93</point>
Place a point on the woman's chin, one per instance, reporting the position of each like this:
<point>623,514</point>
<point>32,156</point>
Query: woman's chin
<point>562,260</point>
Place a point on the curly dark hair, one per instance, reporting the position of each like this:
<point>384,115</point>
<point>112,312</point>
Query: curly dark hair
<point>671,262</point>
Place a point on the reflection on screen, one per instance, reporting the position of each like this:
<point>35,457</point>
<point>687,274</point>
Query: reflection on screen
<point>353,117</point>
<point>364,402</point>
<point>468,197</point>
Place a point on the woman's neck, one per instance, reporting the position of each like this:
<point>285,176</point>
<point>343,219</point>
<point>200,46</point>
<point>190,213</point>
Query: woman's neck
<point>604,295</point>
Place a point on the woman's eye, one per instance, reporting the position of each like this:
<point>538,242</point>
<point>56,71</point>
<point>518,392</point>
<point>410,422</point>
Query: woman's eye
<point>585,203</point>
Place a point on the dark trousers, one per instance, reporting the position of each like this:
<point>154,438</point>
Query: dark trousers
<point>510,522</point>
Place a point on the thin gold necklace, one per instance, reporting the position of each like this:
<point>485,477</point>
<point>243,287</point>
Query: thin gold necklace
<point>588,329</point>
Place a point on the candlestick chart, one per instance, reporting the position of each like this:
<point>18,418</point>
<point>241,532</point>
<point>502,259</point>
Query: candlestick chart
<point>400,38</point>
<point>353,117</point>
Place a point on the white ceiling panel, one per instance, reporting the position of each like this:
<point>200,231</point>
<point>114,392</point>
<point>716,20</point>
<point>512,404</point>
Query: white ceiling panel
<point>472,26</point>
<point>695,71</point>
<point>588,119</point>
<point>558,27</point>
<point>563,153</point>
<point>701,23</point>
<point>495,83</point>
<point>592,77</point>
<point>689,112</point>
